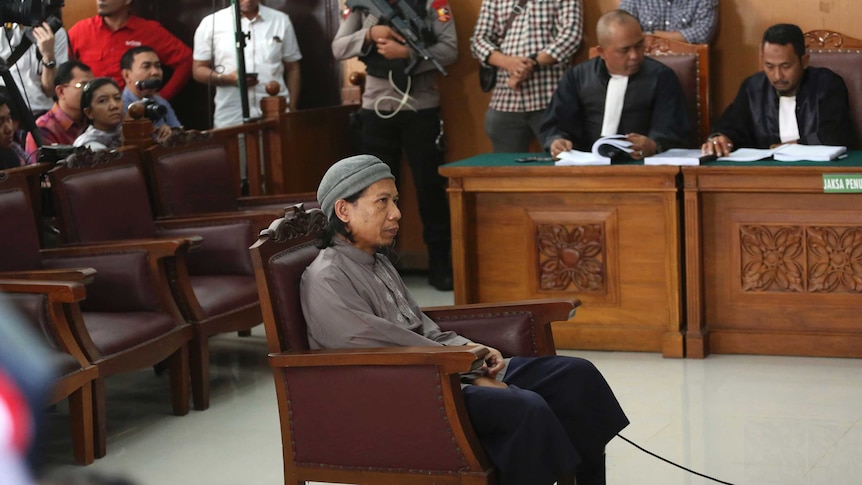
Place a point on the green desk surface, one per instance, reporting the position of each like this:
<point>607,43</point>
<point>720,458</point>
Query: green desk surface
<point>853,159</point>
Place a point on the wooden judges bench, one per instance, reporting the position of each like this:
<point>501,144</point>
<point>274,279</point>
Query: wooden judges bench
<point>724,258</point>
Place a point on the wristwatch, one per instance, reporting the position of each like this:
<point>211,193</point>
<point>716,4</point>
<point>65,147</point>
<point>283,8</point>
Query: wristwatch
<point>49,64</point>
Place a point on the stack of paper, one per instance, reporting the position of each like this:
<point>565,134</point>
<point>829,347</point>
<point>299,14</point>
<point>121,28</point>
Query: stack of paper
<point>794,152</point>
<point>603,149</point>
<point>679,156</point>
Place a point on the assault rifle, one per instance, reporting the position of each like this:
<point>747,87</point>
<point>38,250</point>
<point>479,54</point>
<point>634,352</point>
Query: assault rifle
<point>393,14</point>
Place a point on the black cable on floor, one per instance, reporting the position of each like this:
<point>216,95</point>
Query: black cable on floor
<point>670,462</point>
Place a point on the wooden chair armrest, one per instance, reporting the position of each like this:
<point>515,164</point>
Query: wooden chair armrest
<point>59,291</point>
<point>286,199</point>
<point>451,360</point>
<point>259,219</point>
<point>157,248</point>
<point>520,328</point>
<point>83,275</point>
<point>30,170</point>
<point>552,310</point>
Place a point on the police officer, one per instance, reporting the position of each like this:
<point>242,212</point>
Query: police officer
<point>401,111</point>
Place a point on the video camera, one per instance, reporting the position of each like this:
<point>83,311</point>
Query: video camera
<point>28,12</point>
<point>153,110</point>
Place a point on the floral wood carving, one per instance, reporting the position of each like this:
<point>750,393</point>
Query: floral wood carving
<point>296,222</point>
<point>571,258</point>
<point>180,137</point>
<point>85,157</point>
<point>657,45</point>
<point>812,259</point>
<point>772,258</point>
<point>835,259</point>
<point>824,39</point>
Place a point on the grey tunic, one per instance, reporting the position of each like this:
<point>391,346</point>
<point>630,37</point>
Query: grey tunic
<point>354,299</point>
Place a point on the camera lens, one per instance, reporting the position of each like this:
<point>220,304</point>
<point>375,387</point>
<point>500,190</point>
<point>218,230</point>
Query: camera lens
<point>153,110</point>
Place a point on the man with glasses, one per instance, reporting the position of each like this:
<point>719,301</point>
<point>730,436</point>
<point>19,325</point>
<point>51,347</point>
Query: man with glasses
<point>65,121</point>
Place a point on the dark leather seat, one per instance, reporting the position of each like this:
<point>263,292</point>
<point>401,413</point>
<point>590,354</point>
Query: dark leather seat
<point>198,176</point>
<point>333,401</point>
<point>843,55</point>
<point>103,197</point>
<point>127,322</point>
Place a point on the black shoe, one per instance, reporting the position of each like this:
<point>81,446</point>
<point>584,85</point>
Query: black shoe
<point>441,278</point>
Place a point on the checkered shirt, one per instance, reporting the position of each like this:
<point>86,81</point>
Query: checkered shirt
<point>552,26</point>
<point>694,19</point>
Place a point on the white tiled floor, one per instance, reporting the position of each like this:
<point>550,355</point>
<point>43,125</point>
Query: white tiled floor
<point>750,420</point>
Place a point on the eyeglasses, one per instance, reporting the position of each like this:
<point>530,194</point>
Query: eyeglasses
<point>78,85</point>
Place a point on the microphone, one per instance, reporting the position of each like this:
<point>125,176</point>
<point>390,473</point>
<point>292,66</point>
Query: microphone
<point>147,84</point>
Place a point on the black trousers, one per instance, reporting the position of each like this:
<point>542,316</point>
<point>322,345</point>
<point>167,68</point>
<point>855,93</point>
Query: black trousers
<point>554,419</point>
<point>415,133</point>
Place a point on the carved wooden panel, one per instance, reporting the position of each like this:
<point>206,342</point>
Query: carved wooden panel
<point>835,259</point>
<point>573,252</point>
<point>772,258</point>
<point>796,258</point>
<point>571,258</point>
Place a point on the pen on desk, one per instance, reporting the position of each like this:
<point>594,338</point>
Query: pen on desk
<point>534,159</point>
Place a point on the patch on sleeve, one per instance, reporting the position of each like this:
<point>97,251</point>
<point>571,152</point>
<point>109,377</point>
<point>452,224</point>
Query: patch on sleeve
<point>442,9</point>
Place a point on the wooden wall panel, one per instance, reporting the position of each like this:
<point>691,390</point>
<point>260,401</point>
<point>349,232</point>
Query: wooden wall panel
<point>735,48</point>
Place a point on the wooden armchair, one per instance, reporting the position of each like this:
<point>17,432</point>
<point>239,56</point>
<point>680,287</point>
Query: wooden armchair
<point>690,63</point>
<point>44,305</point>
<point>843,55</point>
<point>342,419</point>
<point>127,322</point>
<point>195,174</point>
<point>103,197</point>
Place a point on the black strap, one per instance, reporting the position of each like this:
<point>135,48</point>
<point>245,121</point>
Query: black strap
<point>516,10</point>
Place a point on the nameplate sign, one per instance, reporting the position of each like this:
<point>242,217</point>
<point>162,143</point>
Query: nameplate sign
<point>842,183</point>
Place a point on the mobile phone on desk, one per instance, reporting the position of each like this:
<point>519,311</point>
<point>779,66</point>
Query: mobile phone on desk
<point>535,159</point>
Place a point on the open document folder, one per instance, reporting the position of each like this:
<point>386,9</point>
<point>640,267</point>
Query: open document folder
<point>603,150</point>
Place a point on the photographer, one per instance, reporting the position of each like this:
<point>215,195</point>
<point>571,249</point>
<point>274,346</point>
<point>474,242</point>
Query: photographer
<point>142,73</point>
<point>34,71</point>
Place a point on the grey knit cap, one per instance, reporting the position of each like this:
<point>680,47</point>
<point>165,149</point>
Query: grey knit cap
<point>348,177</point>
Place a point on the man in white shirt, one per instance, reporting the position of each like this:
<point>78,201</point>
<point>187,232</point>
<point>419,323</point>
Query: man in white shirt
<point>34,71</point>
<point>271,51</point>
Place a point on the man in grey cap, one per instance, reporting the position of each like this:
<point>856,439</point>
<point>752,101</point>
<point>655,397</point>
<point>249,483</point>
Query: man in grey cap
<point>539,419</point>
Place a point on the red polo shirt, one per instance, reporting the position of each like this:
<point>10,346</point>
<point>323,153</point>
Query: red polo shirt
<point>96,45</point>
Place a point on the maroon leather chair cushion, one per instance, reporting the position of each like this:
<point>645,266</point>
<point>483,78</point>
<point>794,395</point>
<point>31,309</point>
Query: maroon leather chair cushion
<point>286,269</point>
<point>20,249</point>
<point>118,195</point>
<point>686,69</point>
<point>336,437</point>
<point>224,250</point>
<point>848,65</point>
<point>113,332</point>
<point>122,282</point>
<point>509,332</point>
<point>196,180</point>
<point>224,293</point>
